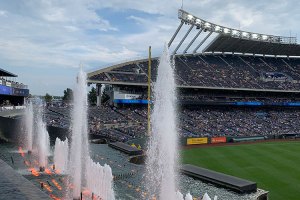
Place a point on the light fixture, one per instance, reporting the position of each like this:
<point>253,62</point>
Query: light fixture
<point>264,37</point>
<point>235,32</point>
<point>226,30</point>
<point>190,17</point>
<point>207,25</point>
<point>217,28</point>
<point>254,35</point>
<point>245,34</point>
<point>198,22</point>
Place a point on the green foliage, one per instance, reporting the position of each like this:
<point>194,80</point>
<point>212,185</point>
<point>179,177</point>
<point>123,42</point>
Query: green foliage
<point>48,98</point>
<point>92,96</point>
<point>68,95</point>
<point>105,96</point>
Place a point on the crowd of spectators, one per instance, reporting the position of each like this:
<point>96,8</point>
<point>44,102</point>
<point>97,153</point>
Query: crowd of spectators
<point>222,71</point>
<point>207,99</point>
<point>126,123</point>
<point>101,76</point>
<point>229,71</point>
<point>240,121</point>
<point>115,124</point>
<point>134,77</point>
<point>11,83</point>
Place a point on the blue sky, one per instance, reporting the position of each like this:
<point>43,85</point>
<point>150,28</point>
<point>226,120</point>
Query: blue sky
<point>44,41</point>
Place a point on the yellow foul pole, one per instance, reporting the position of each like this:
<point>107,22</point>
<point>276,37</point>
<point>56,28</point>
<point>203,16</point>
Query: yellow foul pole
<point>149,92</point>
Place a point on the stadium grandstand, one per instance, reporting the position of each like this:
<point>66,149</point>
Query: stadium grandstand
<point>12,93</point>
<point>240,85</point>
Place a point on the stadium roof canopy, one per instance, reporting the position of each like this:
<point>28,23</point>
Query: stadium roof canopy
<point>224,43</point>
<point>6,73</point>
<point>230,40</point>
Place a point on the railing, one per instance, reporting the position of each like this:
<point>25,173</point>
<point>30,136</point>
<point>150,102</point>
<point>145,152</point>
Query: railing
<point>13,84</point>
<point>4,108</point>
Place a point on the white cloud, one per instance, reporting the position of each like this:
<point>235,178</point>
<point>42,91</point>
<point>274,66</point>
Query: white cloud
<point>138,20</point>
<point>3,13</point>
<point>59,34</point>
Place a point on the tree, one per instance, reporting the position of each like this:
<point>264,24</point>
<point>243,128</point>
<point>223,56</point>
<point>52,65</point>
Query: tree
<point>105,97</point>
<point>68,95</point>
<point>92,96</point>
<point>48,98</point>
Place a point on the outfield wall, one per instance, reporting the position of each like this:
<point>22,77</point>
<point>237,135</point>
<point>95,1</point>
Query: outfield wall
<point>229,139</point>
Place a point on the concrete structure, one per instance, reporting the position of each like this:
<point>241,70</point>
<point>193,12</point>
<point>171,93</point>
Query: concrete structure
<point>220,179</point>
<point>15,186</point>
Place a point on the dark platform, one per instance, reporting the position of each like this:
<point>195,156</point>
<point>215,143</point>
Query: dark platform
<point>220,179</point>
<point>15,186</point>
<point>126,148</point>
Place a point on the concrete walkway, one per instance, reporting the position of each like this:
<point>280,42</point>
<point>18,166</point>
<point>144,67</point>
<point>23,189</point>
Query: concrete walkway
<point>15,186</point>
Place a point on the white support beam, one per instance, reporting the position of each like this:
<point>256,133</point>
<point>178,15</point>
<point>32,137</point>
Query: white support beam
<point>175,34</point>
<point>208,35</point>
<point>193,40</point>
<point>182,40</point>
<point>98,89</point>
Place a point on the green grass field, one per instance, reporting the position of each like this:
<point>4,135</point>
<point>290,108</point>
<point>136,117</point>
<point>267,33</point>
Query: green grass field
<point>275,166</point>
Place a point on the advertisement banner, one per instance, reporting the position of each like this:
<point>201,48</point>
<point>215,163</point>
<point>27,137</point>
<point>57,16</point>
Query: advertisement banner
<point>5,90</point>
<point>191,141</point>
<point>20,92</point>
<point>8,84</point>
<point>131,101</point>
<point>218,140</point>
<point>132,96</point>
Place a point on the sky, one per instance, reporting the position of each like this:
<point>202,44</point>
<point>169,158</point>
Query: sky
<point>45,41</point>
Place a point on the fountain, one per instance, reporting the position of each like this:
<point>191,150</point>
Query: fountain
<point>61,156</point>
<point>28,127</point>
<point>206,197</point>
<point>79,144</point>
<point>43,143</point>
<point>188,197</point>
<point>162,153</point>
<point>101,186</point>
<point>84,173</point>
<point>162,150</point>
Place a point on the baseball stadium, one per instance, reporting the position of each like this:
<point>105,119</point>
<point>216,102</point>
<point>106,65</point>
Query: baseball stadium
<point>238,97</point>
<point>237,107</point>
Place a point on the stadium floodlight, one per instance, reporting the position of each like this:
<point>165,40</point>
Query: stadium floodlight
<point>264,37</point>
<point>217,28</point>
<point>245,34</point>
<point>254,36</point>
<point>235,32</point>
<point>207,25</point>
<point>190,17</point>
<point>198,22</point>
<point>226,30</point>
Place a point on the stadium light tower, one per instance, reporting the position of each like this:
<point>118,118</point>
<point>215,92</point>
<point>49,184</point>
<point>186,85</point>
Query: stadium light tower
<point>221,32</point>
<point>190,19</point>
